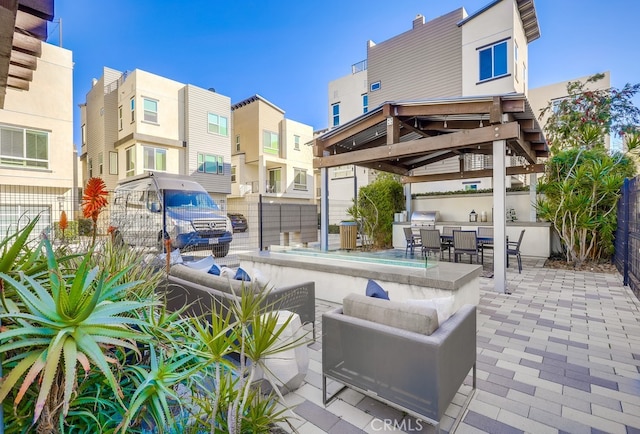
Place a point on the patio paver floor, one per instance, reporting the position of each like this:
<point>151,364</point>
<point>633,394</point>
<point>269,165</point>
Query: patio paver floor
<point>560,354</point>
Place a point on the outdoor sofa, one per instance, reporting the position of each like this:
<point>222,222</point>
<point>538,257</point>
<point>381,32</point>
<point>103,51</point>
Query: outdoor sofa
<point>197,289</point>
<point>397,353</point>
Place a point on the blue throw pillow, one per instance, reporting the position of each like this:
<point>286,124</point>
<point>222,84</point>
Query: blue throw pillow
<point>242,275</point>
<point>374,290</point>
<point>215,270</point>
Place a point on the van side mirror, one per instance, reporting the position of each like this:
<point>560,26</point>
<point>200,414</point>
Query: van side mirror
<point>154,207</point>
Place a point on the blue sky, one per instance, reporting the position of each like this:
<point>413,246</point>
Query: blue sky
<point>288,51</point>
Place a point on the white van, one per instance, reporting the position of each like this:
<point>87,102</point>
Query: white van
<point>148,208</point>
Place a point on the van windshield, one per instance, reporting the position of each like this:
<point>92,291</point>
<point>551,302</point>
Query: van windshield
<point>185,199</point>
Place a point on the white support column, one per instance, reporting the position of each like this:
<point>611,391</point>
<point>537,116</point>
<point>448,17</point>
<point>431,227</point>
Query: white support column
<point>533,186</point>
<point>324,209</point>
<point>499,216</point>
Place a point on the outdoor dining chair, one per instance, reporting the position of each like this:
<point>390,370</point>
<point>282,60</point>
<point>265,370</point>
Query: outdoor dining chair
<point>431,242</point>
<point>485,232</point>
<point>465,243</point>
<point>447,243</point>
<point>513,248</point>
<point>413,241</point>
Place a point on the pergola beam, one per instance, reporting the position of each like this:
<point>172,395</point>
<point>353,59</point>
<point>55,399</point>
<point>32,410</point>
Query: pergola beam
<point>458,108</point>
<point>386,167</point>
<point>322,145</point>
<point>422,146</point>
<point>485,173</point>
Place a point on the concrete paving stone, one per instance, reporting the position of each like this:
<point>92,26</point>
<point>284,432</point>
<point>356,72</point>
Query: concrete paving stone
<point>488,360</point>
<point>538,382</point>
<point>309,428</point>
<point>512,383</point>
<point>592,380</point>
<point>492,387</point>
<point>569,342</point>
<point>310,393</point>
<point>546,354</point>
<point>351,397</point>
<point>632,430</point>
<point>516,401</point>
<point>609,426</point>
<point>347,412</point>
<point>314,378</point>
<point>558,422</point>
<point>517,367</point>
<point>512,335</point>
<point>489,425</point>
<point>481,406</point>
<point>542,366</point>
<point>591,398</point>
<point>344,427</point>
<point>565,365</point>
<point>628,419</point>
<point>489,346</point>
<point>516,406</point>
<point>520,352</point>
<point>566,381</point>
<point>317,415</point>
<point>495,370</point>
<point>524,423</point>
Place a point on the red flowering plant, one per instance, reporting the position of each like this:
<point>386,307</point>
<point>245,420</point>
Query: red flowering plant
<point>63,224</point>
<point>94,200</point>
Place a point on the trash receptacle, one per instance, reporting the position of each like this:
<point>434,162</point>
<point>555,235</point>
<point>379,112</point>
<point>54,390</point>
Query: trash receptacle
<point>348,235</point>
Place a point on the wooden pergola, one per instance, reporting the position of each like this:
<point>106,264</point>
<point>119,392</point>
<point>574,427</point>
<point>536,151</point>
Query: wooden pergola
<point>400,137</point>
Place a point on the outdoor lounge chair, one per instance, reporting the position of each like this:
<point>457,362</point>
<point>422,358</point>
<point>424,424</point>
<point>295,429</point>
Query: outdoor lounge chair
<point>413,241</point>
<point>390,351</point>
<point>513,248</point>
<point>430,239</point>
<point>465,243</point>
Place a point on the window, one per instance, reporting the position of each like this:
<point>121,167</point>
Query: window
<point>154,158</point>
<point>90,167</point>
<point>83,134</point>
<point>130,161</point>
<point>335,113</point>
<point>217,124</point>
<point>23,147</point>
<point>365,103</point>
<point>270,142</point>
<point>120,118</point>
<point>275,176</point>
<point>296,143</point>
<point>209,163</point>
<point>100,164</point>
<point>374,86</point>
<point>238,143</point>
<point>346,171</point>
<point>113,163</point>
<point>493,61</point>
<point>233,173</point>
<point>132,104</point>
<point>299,179</point>
<point>150,110</point>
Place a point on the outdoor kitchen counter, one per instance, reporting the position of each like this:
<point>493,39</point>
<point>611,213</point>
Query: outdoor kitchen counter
<point>335,278</point>
<point>536,241</point>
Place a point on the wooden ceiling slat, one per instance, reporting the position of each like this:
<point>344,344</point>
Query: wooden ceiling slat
<point>485,173</point>
<point>23,59</point>
<point>457,140</point>
<point>321,145</point>
<point>31,24</point>
<point>26,44</point>
<point>17,83</point>
<point>20,72</point>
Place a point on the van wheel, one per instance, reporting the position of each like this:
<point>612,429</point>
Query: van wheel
<point>221,250</point>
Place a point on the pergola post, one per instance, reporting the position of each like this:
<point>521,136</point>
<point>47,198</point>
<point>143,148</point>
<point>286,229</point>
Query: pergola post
<point>499,216</point>
<point>324,209</point>
<point>407,198</point>
<point>533,186</point>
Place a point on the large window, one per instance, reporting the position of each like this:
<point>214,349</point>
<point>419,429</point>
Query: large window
<point>275,178</point>
<point>209,163</point>
<point>299,179</point>
<point>130,161</point>
<point>113,163</point>
<point>154,158</point>
<point>270,142</point>
<point>493,60</point>
<point>335,113</point>
<point>150,110</point>
<point>23,147</point>
<point>238,143</point>
<point>217,124</point>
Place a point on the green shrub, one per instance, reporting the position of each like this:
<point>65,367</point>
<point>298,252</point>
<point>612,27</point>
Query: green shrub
<point>70,234</point>
<point>85,227</point>
<point>334,229</point>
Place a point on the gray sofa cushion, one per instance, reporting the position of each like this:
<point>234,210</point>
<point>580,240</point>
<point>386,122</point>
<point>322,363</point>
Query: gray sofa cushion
<point>418,319</point>
<point>220,283</point>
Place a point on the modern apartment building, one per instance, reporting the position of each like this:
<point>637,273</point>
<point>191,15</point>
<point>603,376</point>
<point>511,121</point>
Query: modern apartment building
<point>451,56</point>
<point>37,157</point>
<point>270,154</point>
<point>135,122</point>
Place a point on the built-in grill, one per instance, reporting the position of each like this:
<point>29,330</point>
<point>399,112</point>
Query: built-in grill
<point>424,218</point>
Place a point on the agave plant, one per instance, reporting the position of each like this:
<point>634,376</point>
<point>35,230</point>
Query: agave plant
<point>65,322</point>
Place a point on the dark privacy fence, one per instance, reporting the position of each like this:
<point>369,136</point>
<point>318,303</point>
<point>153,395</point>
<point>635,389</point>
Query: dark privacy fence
<point>627,244</point>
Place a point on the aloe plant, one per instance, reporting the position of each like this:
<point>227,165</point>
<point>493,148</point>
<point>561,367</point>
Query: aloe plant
<point>72,320</point>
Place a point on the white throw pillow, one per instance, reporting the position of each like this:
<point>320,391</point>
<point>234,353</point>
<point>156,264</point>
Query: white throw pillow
<point>442,305</point>
<point>259,278</point>
<point>228,272</point>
